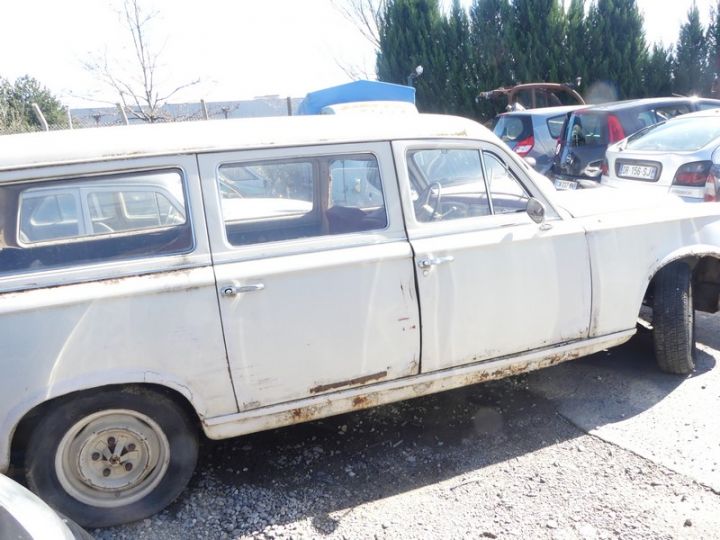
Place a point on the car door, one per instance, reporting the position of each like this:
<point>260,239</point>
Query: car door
<point>314,271</point>
<point>491,281</point>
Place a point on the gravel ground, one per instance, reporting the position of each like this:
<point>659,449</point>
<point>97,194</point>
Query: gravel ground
<point>490,461</point>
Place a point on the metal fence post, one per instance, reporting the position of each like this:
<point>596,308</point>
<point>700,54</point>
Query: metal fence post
<point>123,115</point>
<point>206,116</point>
<point>69,118</point>
<point>40,117</point>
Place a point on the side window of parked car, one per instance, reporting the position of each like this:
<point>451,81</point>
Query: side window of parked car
<point>506,191</point>
<point>75,221</point>
<point>447,183</point>
<point>666,112</point>
<point>275,200</point>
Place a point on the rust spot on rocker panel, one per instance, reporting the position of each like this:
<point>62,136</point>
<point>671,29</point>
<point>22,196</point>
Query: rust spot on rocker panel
<point>352,382</point>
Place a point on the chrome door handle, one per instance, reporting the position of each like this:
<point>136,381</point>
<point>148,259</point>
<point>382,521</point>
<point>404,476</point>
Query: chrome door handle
<point>232,290</point>
<point>434,261</point>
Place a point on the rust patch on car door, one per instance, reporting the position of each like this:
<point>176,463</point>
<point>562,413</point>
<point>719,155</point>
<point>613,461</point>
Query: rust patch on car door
<point>352,382</point>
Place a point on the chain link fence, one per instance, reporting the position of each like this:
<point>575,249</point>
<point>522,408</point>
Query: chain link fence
<point>85,118</point>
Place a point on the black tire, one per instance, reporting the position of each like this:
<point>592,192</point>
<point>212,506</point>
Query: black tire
<point>674,320</point>
<point>66,455</point>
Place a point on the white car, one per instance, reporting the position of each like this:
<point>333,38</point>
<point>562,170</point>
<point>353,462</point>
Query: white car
<point>165,282</point>
<point>680,156</point>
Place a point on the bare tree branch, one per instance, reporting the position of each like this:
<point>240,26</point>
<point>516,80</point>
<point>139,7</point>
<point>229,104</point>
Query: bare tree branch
<point>366,15</point>
<point>137,88</point>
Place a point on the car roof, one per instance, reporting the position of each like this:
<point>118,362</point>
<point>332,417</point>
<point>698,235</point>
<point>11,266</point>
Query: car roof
<point>631,103</point>
<point>118,142</point>
<point>544,111</point>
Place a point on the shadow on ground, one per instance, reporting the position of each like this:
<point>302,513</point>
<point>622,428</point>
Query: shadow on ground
<point>341,462</point>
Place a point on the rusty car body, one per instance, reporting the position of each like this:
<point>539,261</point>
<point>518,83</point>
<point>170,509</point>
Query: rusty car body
<point>221,278</point>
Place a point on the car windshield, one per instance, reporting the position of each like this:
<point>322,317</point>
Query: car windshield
<point>681,135</point>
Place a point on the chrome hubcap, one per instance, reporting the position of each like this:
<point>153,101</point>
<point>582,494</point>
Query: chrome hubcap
<point>112,458</point>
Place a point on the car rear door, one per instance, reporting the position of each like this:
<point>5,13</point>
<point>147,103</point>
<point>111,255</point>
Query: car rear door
<point>314,271</point>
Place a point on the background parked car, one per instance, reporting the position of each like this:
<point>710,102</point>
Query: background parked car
<point>589,131</point>
<point>680,156</point>
<point>533,133</point>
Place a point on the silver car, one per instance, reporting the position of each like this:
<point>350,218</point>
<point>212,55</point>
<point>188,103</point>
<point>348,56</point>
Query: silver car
<point>533,133</point>
<point>680,156</point>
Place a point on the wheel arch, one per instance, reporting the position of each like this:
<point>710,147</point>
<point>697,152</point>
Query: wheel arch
<point>704,262</point>
<point>19,434</point>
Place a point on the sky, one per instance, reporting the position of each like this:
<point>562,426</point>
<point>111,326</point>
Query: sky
<point>239,49</point>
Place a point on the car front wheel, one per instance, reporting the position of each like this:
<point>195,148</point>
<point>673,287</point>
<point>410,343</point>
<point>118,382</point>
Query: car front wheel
<point>111,457</point>
<point>674,320</point>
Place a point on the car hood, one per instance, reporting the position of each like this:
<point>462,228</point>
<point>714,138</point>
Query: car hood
<point>605,200</point>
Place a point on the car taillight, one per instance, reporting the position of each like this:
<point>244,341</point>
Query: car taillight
<point>604,167</point>
<point>693,174</point>
<point>615,130</point>
<point>523,147</point>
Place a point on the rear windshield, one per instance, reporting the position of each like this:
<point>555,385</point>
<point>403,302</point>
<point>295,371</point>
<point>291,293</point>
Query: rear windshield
<point>555,125</point>
<point>681,135</point>
<point>586,128</point>
<point>513,128</point>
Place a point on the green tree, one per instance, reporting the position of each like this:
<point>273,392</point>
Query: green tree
<point>538,31</point>
<point>575,50</point>
<point>491,54</point>
<point>617,51</point>
<point>658,72</point>
<point>410,35</point>
<point>713,46</point>
<point>460,89</point>
<point>16,101</point>
<point>690,69</point>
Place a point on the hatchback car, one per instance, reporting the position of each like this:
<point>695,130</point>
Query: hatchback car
<point>588,132</point>
<point>680,156</point>
<point>533,133</point>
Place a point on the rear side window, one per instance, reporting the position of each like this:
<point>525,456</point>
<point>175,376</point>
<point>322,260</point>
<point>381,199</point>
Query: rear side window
<point>513,128</point>
<point>269,201</point>
<point>555,125</point>
<point>103,219</point>
<point>587,128</point>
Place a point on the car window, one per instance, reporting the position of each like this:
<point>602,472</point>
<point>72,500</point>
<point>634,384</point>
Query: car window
<point>513,128</point>
<point>275,200</point>
<point>586,128</point>
<point>679,135</point>
<point>447,183</point>
<point>706,106</point>
<point>555,125</point>
<point>665,112</point>
<point>506,191</point>
<point>82,220</point>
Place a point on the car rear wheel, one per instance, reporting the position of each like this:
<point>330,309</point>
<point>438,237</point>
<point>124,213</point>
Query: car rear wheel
<point>674,320</point>
<point>111,457</point>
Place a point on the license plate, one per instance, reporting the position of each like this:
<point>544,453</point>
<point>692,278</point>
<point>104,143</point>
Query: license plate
<point>565,184</point>
<point>641,172</point>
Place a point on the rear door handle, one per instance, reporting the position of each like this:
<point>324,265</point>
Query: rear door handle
<point>233,290</point>
<point>434,261</point>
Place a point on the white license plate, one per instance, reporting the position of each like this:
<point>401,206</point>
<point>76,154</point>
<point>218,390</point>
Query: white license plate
<point>565,184</point>
<point>643,172</point>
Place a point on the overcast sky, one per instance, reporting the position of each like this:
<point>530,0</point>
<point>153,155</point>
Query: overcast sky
<point>238,48</point>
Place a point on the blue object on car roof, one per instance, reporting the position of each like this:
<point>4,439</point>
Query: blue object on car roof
<point>314,102</point>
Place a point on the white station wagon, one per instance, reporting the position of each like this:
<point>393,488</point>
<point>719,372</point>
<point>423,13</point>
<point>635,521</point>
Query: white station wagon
<point>162,282</point>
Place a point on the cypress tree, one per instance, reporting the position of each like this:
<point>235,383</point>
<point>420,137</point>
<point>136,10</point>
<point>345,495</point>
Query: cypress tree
<point>461,82</point>
<point>576,50</point>
<point>691,57</point>
<point>713,52</point>
<point>658,72</point>
<point>616,46</point>
<point>410,35</point>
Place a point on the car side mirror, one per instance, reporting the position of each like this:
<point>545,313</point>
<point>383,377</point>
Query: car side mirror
<point>536,210</point>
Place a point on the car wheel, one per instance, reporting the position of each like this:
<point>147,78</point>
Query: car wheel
<point>674,320</point>
<point>111,457</point>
